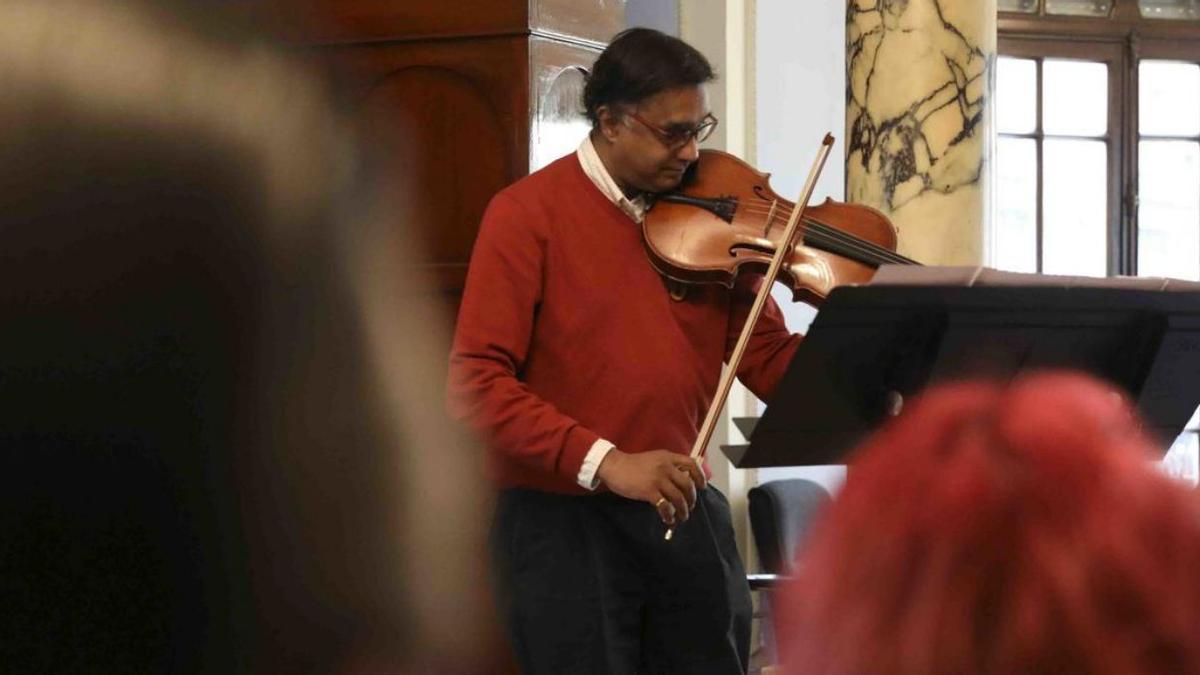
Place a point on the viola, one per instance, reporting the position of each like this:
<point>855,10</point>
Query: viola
<point>725,217</point>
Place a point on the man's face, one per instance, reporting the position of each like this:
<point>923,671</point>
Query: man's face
<point>643,158</point>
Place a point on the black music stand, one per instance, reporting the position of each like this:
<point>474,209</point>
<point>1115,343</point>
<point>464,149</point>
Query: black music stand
<point>872,346</point>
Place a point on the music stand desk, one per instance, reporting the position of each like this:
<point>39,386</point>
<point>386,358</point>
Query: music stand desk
<point>872,347</point>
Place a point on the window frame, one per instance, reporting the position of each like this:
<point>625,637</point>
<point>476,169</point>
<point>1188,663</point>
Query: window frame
<point>1121,39</point>
<point>1114,57</point>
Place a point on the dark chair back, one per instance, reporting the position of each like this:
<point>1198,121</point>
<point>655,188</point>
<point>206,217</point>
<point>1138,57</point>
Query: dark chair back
<point>781,513</point>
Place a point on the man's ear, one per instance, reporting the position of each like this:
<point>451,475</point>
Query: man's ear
<point>609,121</point>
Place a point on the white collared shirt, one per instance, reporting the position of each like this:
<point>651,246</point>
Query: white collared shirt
<point>594,168</point>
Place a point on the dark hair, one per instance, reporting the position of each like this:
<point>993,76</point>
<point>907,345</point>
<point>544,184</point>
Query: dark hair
<point>639,63</point>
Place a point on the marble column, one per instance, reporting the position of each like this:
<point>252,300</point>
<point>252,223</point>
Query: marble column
<point>919,86</point>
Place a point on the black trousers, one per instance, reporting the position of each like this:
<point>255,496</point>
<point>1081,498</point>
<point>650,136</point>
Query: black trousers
<point>589,587</point>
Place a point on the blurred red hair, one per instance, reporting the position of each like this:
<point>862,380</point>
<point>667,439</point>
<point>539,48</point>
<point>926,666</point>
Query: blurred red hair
<point>1002,529</point>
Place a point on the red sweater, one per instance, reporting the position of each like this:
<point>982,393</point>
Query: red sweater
<point>567,334</point>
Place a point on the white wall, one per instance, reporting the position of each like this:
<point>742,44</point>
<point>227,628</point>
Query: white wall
<point>658,14</point>
<point>800,85</point>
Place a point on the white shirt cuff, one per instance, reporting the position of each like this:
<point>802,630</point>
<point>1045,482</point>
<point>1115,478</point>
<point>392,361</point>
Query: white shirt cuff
<point>591,464</point>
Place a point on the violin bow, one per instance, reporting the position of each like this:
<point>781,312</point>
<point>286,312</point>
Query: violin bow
<point>760,301</point>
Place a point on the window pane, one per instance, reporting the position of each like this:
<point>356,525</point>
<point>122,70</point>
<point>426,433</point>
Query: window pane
<point>1170,9</point>
<point>1014,240</point>
<point>1078,7</point>
<point>1075,97</point>
<point>1075,206</point>
<point>1169,209</point>
<point>1016,95</point>
<point>1016,5</point>
<point>1168,98</point>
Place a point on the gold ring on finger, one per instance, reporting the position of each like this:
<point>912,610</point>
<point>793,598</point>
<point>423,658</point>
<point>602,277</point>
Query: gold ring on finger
<point>660,502</point>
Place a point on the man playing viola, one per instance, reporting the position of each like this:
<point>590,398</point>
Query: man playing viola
<point>589,374</point>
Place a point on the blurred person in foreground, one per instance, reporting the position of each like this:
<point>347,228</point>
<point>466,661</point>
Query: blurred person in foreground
<point>1002,529</point>
<point>217,448</point>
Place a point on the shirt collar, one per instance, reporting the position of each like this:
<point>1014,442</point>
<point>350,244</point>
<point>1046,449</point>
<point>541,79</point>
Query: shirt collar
<point>589,159</point>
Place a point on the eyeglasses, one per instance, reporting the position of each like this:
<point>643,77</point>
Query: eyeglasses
<point>677,137</point>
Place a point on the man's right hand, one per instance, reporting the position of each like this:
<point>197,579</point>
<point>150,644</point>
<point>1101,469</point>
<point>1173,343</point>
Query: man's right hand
<point>653,477</point>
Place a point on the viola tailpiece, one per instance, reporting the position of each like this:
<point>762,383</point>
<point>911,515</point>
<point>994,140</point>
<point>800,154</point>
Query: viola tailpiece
<point>721,207</point>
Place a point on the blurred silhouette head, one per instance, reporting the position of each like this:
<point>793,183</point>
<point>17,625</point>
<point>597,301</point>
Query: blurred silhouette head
<point>1002,529</point>
<point>218,449</point>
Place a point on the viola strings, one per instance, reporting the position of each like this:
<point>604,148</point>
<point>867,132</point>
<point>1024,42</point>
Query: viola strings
<point>838,240</point>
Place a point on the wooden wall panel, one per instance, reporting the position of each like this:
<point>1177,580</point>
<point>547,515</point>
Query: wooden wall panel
<point>450,119</point>
<point>459,98</point>
<point>344,21</point>
<point>449,145</point>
